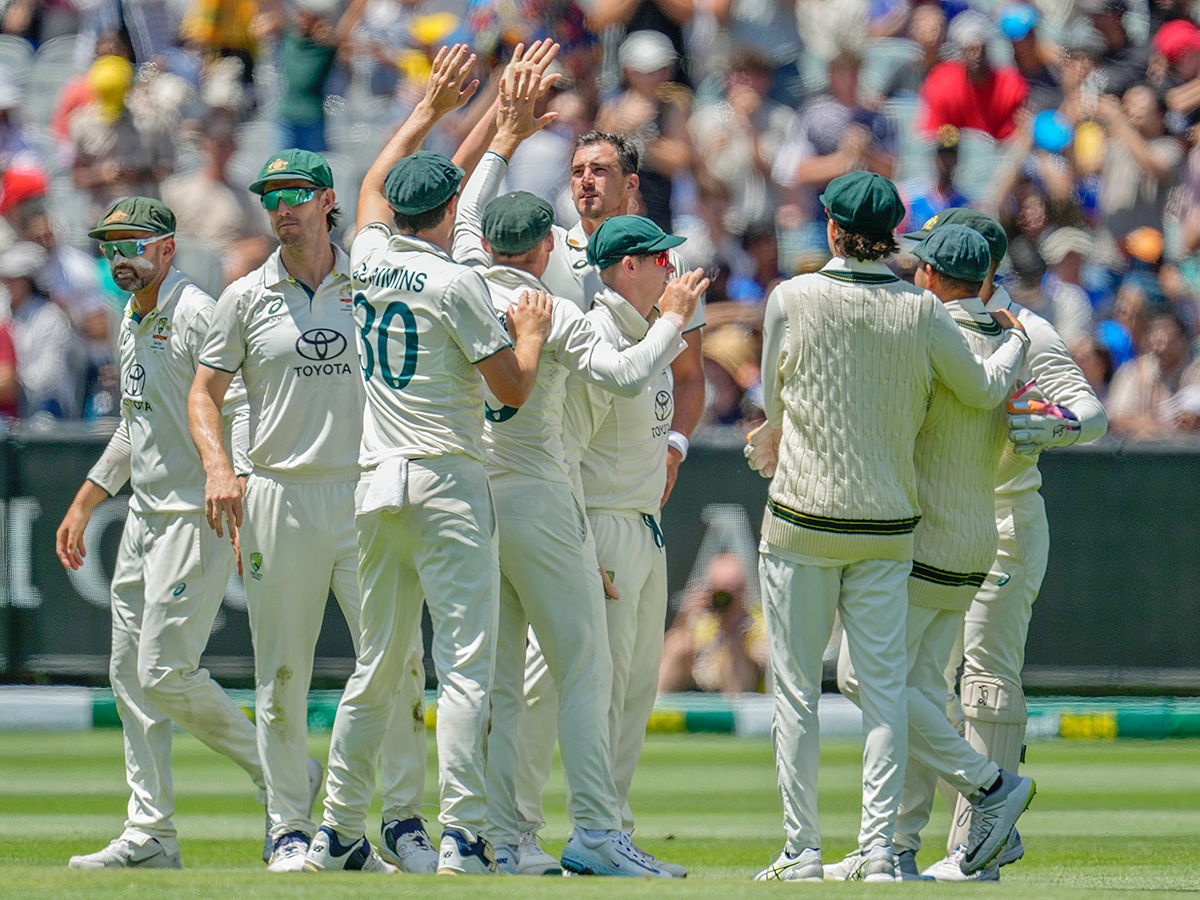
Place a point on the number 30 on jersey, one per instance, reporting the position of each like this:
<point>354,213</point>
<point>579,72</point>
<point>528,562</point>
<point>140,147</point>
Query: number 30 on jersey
<point>375,341</point>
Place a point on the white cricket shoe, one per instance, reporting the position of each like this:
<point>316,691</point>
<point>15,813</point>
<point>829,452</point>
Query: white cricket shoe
<point>675,870</point>
<point>289,852</point>
<point>950,869</point>
<point>993,816</point>
<point>608,853</point>
<point>406,845</point>
<point>327,853</point>
<point>464,854</point>
<point>125,854</point>
<point>506,858</point>
<point>532,859</point>
<point>804,867</point>
<point>315,777</point>
<point>877,864</point>
<point>906,867</point>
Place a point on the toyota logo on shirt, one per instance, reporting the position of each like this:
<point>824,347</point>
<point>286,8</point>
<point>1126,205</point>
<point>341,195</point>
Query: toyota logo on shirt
<point>320,344</point>
<point>135,380</point>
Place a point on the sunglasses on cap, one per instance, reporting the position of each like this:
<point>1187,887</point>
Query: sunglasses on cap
<point>290,196</point>
<point>132,247</point>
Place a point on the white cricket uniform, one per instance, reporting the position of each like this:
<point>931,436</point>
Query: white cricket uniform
<point>424,516</point>
<point>997,622</point>
<point>171,569</point>
<point>850,355</point>
<point>956,454</point>
<point>295,350</point>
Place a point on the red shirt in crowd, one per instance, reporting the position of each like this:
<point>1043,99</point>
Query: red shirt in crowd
<point>951,98</point>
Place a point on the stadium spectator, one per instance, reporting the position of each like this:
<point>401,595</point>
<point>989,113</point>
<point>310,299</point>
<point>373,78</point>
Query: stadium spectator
<point>1178,45</point>
<point>654,108</point>
<point>718,641</point>
<point>667,17</point>
<point>927,27</point>
<point>1034,59</point>
<point>1070,310</point>
<point>41,334</point>
<point>969,92</point>
<point>769,30</point>
<point>114,156</point>
<point>1139,403</point>
<point>1123,62</point>
<point>18,146</point>
<point>926,201</point>
<point>738,139</point>
<point>1095,362</point>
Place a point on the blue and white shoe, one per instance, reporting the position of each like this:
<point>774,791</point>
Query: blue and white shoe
<point>316,774</point>
<point>461,853</point>
<point>406,845</point>
<point>289,852</point>
<point>328,853</point>
<point>607,853</point>
<point>506,858</point>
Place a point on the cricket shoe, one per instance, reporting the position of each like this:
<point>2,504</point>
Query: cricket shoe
<point>406,845</point>
<point>993,816</point>
<point>950,869</point>
<point>1014,849</point>
<point>289,853</point>
<point>315,775</point>
<point>804,867</point>
<point>606,853</point>
<point>125,854</point>
<point>506,858</point>
<point>675,870</point>
<point>532,859</point>
<point>327,853</point>
<point>464,854</point>
<point>906,867</point>
<point>877,864</point>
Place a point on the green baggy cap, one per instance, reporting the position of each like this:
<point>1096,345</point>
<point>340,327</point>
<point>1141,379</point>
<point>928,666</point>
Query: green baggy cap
<point>992,231</point>
<point>516,222</point>
<point>957,251</point>
<point>135,214</point>
<point>421,182</point>
<point>623,236</point>
<point>864,203</point>
<point>292,164</point>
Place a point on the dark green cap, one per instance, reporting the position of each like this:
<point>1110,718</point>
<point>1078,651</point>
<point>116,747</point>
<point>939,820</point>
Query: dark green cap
<point>864,203</point>
<point>623,236</point>
<point>957,251</point>
<point>992,231</point>
<point>421,182</point>
<point>135,214</point>
<point>292,164</point>
<point>516,222</point>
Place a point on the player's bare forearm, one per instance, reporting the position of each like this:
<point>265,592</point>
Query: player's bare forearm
<point>222,490</point>
<point>687,372</point>
<point>68,540</point>
<point>442,94</point>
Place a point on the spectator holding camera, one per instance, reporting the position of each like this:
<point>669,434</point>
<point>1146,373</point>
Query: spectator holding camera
<point>717,642</point>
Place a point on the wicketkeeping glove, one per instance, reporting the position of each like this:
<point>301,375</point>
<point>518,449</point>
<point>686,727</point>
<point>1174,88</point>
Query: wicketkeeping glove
<point>762,449</point>
<point>1034,425</point>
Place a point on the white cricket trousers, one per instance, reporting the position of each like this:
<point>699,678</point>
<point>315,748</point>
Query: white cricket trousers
<point>631,548</point>
<point>935,748</point>
<point>170,576</point>
<point>799,604</point>
<point>440,548</point>
<point>549,579</point>
<point>297,542</point>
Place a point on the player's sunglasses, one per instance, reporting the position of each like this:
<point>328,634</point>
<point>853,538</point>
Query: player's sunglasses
<point>130,248</point>
<point>663,258</point>
<point>290,196</point>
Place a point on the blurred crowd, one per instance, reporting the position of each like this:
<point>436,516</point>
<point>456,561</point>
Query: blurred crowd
<point>1071,121</point>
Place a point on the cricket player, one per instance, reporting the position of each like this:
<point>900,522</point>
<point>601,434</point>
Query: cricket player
<point>1056,407</point>
<point>171,569</point>
<point>849,358</point>
<point>956,455</point>
<point>288,327</point>
<point>428,339</point>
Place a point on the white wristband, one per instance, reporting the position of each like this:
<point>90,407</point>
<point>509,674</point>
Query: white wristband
<point>679,441</point>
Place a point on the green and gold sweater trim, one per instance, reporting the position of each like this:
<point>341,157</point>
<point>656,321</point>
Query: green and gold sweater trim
<point>842,526</point>
<point>980,327</point>
<point>943,576</point>
<point>858,277</point>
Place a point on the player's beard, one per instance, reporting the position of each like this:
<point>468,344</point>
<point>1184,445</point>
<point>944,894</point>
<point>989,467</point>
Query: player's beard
<point>133,274</point>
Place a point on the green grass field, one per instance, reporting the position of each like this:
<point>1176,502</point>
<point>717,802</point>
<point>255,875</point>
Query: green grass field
<point>1109,816</point>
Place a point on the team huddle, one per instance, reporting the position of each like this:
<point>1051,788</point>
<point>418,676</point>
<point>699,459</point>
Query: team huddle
<point>499,452</point>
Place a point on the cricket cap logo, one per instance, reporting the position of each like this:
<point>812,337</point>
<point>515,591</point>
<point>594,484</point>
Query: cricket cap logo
<point>117,215</point>
<point>277,164</point>
<point>256,561</point>
<point>928,226</point>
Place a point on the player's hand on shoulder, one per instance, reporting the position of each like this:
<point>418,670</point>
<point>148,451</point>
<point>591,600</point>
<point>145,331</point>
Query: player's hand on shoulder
<point>683,293</point>
<point>531,315</point>
<point>1005,319</point>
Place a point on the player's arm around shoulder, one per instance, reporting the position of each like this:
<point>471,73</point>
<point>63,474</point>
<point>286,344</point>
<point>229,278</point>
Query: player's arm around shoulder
<point>511,373</point>
<point>979,383</point>
<point>1059,377</point>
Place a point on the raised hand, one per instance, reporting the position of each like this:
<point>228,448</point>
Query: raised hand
<point>682,294</point>
<point>444,92</point>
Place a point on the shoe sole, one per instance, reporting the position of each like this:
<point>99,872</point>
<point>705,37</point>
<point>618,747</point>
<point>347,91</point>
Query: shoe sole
<point>539,871</point>
<point>978,865</point>
<point>1018,852</point>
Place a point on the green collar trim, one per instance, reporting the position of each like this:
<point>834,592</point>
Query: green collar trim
<point>991,330</point>
<point>847,277</point>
